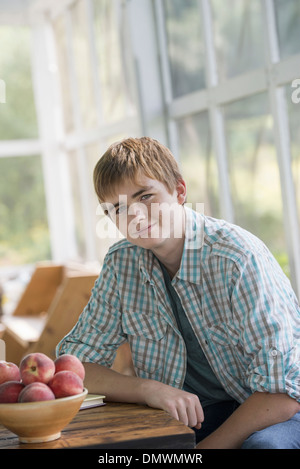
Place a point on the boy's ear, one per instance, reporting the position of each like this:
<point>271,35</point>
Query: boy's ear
<point>181,191</point>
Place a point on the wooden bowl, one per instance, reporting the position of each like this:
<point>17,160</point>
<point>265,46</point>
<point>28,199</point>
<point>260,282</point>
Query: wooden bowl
<point>36,422</point>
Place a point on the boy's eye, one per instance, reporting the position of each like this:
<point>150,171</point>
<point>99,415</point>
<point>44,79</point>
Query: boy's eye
<point>146,196</point>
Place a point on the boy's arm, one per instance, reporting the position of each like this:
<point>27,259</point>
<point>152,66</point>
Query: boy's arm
<point>182,405</point>
<point>259,411</point>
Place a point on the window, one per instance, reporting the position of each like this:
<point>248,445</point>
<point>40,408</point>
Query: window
<point>24,234</point>
<point>97,89</point>
<point>238,36</point>
<point>115,66</point>
<point>287,18</point>
<point>62,60</point>
<point>185,46</point>
<point>293,113</point>
<point>198,163</point>
<point>203,77</point>
<point>82,66</point>
<point>254,173</point>
<point>18,116</point>
<point>224,113</point>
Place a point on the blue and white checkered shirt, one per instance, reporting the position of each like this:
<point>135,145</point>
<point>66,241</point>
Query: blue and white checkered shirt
<point>239,303</point>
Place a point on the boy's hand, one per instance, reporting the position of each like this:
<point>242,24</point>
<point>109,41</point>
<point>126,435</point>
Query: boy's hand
<point>182,405</point>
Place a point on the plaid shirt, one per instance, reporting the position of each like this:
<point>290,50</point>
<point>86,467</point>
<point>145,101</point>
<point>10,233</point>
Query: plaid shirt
<point>239,303</point>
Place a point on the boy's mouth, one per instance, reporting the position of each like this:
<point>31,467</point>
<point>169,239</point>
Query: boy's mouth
<point>145,229</point>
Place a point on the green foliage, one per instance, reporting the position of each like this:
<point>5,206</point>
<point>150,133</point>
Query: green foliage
<point>24,233</point>
<point>24,236</point>
<point>17,115</point>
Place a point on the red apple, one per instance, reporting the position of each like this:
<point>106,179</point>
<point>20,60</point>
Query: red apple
<point>36,392</point>
<point>71,363</point>
<point>66,383</point>
<point>36,367</point>
<point>9,372</point>
<point>10,390</point>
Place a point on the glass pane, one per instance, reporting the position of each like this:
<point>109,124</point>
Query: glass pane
<point>287,16</point>
<point>103,227</point>
<point>24,235</point>
<point>116,70</point>
<point>293,111</point>
<point>77,205</point>
<point>185,46</point>
<point>254,172</point>
<point>63,61</point>
<point>238,32</point>
<point>18,114</point>
<point>83,69</point>
<point>198,163</point>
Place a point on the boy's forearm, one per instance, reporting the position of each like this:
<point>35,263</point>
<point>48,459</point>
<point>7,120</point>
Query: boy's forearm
<point>180,404</point>
<point>259,411</point>
<point>115,386</point>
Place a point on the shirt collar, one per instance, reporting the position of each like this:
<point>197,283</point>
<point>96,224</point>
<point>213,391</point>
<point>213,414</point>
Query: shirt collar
<point>189,269</point>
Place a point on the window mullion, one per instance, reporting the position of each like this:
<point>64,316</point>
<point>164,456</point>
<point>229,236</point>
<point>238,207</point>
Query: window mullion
<point>282,140</point>
<point>215,112</point>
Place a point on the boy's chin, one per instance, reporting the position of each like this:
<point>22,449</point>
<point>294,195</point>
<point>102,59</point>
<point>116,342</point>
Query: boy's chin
<point>148,242</point>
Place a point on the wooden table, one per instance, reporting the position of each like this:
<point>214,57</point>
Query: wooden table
<point>114,426</point>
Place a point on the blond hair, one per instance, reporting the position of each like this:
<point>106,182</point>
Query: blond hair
<point>126,159</point>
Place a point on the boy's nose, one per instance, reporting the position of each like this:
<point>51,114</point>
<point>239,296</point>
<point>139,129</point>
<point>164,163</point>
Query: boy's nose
<point>138,210</point>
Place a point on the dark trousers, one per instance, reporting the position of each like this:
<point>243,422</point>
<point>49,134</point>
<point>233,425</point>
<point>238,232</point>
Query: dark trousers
<point>214,416</point>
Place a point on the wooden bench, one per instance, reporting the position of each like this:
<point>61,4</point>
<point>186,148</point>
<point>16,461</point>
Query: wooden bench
<point>47,310</point>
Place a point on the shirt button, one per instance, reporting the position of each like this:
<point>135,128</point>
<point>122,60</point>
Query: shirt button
<point>177,380</point>
<point>273,353</point>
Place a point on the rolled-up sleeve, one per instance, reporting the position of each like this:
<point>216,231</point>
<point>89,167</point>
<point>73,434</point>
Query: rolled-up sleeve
<point>269,326</point>
<point>98,332</point>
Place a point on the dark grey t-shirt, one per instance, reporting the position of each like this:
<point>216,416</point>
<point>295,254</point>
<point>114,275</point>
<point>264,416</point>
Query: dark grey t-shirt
<point>200,378</point>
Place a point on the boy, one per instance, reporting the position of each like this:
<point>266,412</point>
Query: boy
<point>212,322</point>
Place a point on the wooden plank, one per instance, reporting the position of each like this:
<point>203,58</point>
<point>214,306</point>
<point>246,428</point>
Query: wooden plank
<point>40,290</point>
<point>26,328</point>
<point>69,302</point>
<point>15,347</point>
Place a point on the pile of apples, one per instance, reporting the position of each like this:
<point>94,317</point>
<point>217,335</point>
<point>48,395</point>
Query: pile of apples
<point>39,378</point>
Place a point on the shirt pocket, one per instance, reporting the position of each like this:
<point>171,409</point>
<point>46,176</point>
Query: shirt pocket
<point>224,335</point>
<point>146,334</point>
<point>227,351</point>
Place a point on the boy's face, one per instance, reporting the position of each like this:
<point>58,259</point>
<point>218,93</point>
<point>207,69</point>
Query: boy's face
<point>146,213</point>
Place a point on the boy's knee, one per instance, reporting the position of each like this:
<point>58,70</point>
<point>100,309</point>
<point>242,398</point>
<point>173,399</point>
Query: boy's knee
<point>285,435</point>
<point>260,440</point>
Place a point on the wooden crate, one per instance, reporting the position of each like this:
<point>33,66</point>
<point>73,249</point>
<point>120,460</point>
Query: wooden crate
<point>41,330</point>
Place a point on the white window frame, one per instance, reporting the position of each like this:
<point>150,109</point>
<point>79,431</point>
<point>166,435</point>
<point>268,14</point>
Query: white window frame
<point>269,79</point>
<point>159,111</point>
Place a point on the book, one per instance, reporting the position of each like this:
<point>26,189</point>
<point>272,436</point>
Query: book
<point>92,400</point>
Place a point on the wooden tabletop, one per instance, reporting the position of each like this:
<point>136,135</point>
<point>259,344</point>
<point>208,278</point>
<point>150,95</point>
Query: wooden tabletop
<point>112,426</point>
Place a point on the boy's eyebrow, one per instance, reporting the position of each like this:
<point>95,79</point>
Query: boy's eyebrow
<point>136,194</point>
